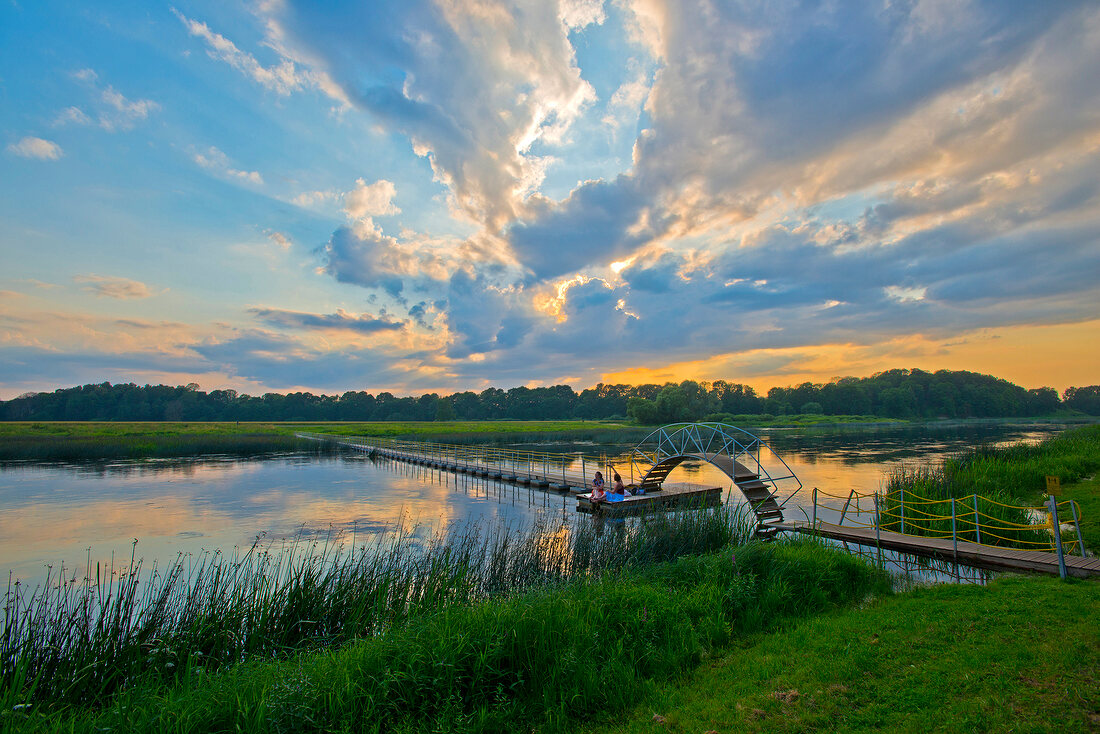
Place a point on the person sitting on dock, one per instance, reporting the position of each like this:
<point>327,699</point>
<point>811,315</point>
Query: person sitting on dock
<point>598,494</point>
<point>618,487</point>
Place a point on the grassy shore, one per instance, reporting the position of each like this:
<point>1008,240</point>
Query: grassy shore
<point>1022,655</point>
<point>543,659</point>
<point>88,441</point>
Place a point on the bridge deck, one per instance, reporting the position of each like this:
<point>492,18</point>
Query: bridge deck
<point>944,549</point>
<point>668,496</point>
<point>671,496</point>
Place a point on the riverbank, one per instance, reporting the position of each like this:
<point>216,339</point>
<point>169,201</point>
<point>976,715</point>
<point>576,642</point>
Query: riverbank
<point>546,656</point>
<point>1022,654</point>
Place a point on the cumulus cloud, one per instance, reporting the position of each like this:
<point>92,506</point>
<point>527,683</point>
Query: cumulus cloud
<point>365,202</point>
<point>215,160</point>
<point>31,147</point>
<point>113,286</point>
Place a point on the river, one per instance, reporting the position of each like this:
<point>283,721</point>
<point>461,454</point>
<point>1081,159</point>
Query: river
<point>56,515</point>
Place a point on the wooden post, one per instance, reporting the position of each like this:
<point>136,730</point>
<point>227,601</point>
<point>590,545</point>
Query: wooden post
<point>1057,535</point>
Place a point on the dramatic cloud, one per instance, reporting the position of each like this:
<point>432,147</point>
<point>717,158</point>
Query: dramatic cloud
<point>632,187</point>
<point>113,287</point>
<point>29,147</point>
<point>476,87</point>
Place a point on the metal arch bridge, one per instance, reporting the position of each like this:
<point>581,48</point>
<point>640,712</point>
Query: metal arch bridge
<point>752,465</point>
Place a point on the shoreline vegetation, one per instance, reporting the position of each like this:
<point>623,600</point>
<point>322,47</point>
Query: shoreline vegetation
<point>1013,475</point>
<point>470,630</point>
<point>47,441</point>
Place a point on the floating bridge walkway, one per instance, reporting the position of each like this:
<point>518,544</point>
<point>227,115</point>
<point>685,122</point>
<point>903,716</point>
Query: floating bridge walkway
<point>972,531</point>
<point>754,468</point>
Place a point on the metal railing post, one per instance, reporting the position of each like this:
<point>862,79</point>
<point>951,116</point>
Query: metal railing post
<point>1077,527</point>
<point>1057,535</point>
<point>814,521</point>
<point>878,528</point>
<point>954,536</point>
<point>977,520</point>
<point>902,510</point>
<point>846,503</point>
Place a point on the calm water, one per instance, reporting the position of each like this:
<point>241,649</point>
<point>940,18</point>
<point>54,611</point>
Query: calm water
<point>53,514</point>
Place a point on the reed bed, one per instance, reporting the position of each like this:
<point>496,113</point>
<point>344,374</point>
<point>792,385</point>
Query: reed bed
<point>114,447</point>
<point>81,638</point>
<point>540,659</point>
<point>994,488</point>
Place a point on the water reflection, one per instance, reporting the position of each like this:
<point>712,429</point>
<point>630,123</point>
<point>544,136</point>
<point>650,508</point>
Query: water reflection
<point>73,513</point>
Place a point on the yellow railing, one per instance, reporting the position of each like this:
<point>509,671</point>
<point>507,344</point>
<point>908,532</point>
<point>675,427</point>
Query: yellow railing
<point>910,514</point>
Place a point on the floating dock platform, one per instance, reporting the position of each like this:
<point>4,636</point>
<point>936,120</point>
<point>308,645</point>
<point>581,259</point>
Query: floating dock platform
<point>672,496</point>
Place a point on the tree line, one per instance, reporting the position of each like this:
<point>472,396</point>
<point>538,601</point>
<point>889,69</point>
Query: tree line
<point>898,393</point>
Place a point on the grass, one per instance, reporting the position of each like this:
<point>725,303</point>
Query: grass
<point>89,441</point>
<point>81,637</point>
<point>1000,475</point>
<point>1021,655</point>
<point>545,658</point>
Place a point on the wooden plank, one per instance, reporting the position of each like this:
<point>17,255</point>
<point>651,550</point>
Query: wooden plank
<point>969,553</point>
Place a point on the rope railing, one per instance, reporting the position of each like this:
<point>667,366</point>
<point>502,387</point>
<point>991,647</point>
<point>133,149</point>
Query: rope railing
<point>969,518</point>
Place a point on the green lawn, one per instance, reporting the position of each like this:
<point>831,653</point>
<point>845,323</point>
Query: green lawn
<point>1021,655</point>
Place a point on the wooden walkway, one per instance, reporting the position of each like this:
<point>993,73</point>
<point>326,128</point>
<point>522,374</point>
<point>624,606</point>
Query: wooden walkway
<point>944,549</point>
<point>514,469</point>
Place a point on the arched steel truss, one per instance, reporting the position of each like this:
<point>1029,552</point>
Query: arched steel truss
<point>752,465</point>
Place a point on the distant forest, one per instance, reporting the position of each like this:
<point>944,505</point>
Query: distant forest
<point>899,393</point>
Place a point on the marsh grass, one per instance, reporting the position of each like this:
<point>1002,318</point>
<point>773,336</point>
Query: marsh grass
<point>92,441</point>
<point>1012,475</point>
<point>540,658</point>
<point>100,448</point>
<point>82,637</point>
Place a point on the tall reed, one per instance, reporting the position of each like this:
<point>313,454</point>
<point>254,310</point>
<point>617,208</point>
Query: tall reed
<point>79,639</point>
<point>1011,475</point>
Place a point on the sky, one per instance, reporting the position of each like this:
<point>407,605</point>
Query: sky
<point>447,195</point>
